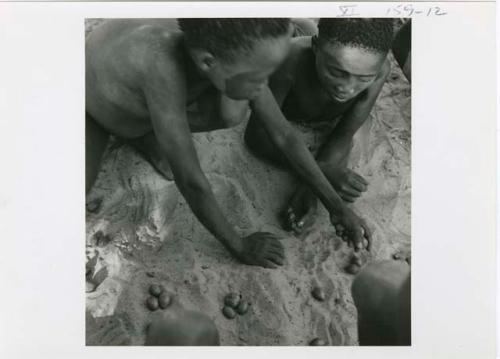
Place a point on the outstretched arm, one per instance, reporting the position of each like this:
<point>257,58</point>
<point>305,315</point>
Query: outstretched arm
<point>335,151</point>
<point>165,96</point>
<point>293,148</point>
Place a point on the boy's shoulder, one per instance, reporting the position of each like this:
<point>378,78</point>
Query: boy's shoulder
<point>152,43</point>
<point>139,45</point>
<point>300,53</point>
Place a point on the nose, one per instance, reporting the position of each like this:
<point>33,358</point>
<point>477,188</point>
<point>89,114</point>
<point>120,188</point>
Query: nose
<point>348,87</point>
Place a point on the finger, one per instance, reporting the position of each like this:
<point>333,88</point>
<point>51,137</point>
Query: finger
<point>347,198</point>
<point>360,179</point>
<point>298,224</point>
<point>368,236</point>
<point>268,264</point>
<point>350,191</point>
<point>275,243</point>
<point>271,238</point>
<point>357,184</point>
<point>268,234</point>
<point>277,252</point>
<point>278,247</point>
<point>357,238</point>
<point>295,228</point>
<point>275,259</point>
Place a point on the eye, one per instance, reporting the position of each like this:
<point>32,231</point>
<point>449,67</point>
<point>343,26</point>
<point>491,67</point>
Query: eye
<point>337,73</point>
<point>366,79</point>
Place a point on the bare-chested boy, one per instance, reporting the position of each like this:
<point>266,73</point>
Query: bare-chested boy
<point>143,76</point>
<point>333,76</point>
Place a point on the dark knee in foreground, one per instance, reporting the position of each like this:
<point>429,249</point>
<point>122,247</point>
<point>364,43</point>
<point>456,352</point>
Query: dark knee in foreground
<point>183,328</point>
<point>381,293</point>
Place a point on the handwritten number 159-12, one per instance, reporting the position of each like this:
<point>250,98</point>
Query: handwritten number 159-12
<point>409,10</point>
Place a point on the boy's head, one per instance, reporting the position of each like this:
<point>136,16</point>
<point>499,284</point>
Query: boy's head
<point>237,55</point>
<point>350,53</point>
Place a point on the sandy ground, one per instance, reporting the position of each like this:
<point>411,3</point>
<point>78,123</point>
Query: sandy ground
<point>143,232</point>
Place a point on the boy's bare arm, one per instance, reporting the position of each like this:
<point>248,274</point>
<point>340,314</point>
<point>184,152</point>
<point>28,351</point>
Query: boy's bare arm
<point>165,95</point>
<point>302,161</point>
<point>168,116</point>
<point>283,135</point>
<point>336,150</point>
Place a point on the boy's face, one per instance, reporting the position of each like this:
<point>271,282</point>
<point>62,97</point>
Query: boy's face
<point>345,71</point>
<point>243,78</point>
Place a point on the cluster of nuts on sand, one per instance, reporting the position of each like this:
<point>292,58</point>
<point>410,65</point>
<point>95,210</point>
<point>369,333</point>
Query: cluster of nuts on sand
<point>159,298</point>
<point>233,305</point>
<point>319,294</point>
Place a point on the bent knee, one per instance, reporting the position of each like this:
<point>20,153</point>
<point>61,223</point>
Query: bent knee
<point>379,280</point>
<point>234,117</point>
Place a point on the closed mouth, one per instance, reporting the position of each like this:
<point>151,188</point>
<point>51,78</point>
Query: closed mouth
<point>339,97</point>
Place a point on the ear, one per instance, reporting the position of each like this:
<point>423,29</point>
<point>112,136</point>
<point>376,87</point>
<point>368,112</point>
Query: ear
<point>314,43</point>
<point>203,59</point>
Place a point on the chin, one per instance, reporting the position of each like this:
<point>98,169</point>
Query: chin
<point>241,96</point>
<point>237,97</point>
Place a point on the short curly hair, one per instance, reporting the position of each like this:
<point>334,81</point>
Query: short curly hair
<point>372,34</point>
<point>225,37</point>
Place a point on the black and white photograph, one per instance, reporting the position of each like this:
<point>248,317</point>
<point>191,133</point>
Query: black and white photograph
<point>248,181</point>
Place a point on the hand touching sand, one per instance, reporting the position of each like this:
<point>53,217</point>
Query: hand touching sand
<point>348,184</point>
<point>352,229</point>
<point>261,249</point>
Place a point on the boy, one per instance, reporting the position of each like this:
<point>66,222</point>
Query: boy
<point>337,73</point>
<point>142,77</point>
<point>401,49</point>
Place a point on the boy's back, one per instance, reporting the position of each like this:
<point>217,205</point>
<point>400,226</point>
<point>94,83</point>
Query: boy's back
<point>122,56</point>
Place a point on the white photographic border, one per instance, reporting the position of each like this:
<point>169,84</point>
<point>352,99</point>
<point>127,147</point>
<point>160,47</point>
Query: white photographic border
<point>42,209</point>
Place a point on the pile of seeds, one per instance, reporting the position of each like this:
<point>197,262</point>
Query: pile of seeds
<point>159,298</point>
<point>233,305</point>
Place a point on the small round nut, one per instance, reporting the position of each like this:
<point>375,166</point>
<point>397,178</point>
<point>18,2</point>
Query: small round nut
<point>242,307</point>
<point>232,300</point>
<point>164,300</point>
<point>352,268</point>
<point>152,303</point>
<point>229,312</point>
<point>317,342</point>
<point>155,290</point>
